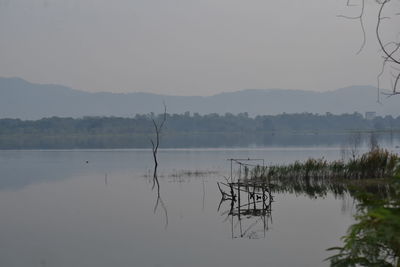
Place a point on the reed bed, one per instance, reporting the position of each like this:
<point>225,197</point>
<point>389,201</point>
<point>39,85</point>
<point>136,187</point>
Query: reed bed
<point>375,164</point>
<point>316,177</point>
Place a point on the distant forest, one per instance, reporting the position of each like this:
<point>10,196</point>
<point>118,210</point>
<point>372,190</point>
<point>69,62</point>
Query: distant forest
<point>187,130</point>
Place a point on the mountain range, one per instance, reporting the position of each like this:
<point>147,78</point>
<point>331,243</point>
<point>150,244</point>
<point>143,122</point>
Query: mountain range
<point>26,100</point>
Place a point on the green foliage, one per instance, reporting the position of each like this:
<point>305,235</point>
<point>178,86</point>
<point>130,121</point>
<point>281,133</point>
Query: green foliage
<point>375,239</point>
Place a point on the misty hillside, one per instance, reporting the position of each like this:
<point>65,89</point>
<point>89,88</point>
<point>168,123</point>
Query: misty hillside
<point>25,100</point>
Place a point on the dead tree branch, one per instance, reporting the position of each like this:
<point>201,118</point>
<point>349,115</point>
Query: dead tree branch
<point>155,144</point>
<point>158,126</point>
<point>390,49</point>
<point>360,18</point>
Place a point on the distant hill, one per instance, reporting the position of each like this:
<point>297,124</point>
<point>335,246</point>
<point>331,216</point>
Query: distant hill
<point>25,100</point>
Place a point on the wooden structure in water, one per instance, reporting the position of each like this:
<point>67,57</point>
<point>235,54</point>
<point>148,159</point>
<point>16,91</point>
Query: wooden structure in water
<point>249,200</point>
<point>253,190</point>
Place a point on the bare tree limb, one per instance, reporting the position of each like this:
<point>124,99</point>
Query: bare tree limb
<point>378,24</point>
<point>389,49</point>
<point>360,19</point>
<point>155,145</point>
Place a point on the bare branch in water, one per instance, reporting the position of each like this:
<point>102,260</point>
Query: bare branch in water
<point>155,145</point>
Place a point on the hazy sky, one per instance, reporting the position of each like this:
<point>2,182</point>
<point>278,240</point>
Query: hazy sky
<point>186,47</point>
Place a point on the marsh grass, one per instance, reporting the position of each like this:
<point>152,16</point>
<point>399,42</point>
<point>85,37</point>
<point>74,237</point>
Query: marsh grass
<point>376,164</point>
<point>372,179</point>
<point>317,177</point>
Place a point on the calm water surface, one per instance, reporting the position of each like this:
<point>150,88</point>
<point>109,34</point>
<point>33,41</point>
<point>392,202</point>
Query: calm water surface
<point>96,208</point>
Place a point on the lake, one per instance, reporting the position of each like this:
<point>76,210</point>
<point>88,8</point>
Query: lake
<point>96,208</point>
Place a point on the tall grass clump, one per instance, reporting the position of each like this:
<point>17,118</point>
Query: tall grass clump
<point>378,163</point>
<point>317,177</point>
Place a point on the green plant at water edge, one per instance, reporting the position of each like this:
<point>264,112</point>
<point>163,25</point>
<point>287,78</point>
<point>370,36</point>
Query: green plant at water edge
<point>375,239</point>
<point>373,179</point>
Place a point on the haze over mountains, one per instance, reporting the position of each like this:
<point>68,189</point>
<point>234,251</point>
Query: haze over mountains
<point>25,100</point>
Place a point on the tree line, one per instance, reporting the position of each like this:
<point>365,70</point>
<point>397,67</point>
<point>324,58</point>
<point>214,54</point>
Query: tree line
<point>180,130</point>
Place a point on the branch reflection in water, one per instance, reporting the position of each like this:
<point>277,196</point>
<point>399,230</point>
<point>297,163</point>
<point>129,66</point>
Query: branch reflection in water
<point>159,201</point>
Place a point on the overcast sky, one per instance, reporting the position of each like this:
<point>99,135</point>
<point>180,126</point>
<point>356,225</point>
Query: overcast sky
<point>186,47</point>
